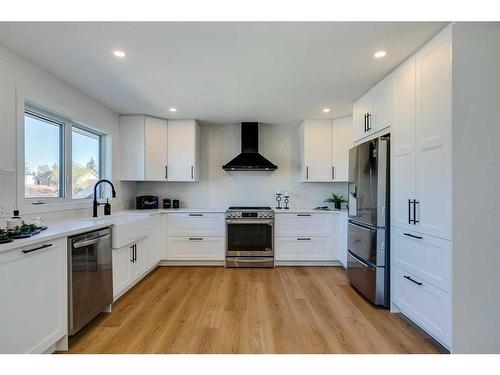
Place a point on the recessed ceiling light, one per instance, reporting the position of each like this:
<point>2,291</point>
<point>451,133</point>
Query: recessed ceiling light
<point>173,110</point>
<point>118,53</point>
<point>379,54</point>
<point>326,110</point>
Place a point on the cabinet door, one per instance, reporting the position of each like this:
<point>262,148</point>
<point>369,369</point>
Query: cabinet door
<point>122,260</point>
<point>426,305</point>
<point>304,248</point>
<point>403,145</point>
<point>196,248</point>
<point>138,266</point>
<point>433,133</point>
<point>317,150</point>
<point>362,107</point>
<point>132,144</point>
<point>304,224</point>
<point>383,104</point>
<point>425,256</point>
<point>155,149</point>
<point>182,156</point>
<point>196,224</point>
<point>341,143</point>
<point>34,297</point>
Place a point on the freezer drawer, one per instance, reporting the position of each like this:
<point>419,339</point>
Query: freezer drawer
<point>367,243</point>
<point>367,279</point>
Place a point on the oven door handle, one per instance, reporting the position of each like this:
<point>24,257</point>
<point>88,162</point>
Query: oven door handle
<point>249,221</point>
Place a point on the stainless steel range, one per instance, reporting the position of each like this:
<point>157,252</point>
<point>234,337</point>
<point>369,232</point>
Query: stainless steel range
<point>250,237</point>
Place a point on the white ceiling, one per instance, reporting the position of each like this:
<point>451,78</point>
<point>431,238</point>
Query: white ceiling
<point>222,72</point>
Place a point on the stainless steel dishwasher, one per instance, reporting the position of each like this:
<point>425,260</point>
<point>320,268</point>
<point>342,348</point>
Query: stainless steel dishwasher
<point>90,277</point>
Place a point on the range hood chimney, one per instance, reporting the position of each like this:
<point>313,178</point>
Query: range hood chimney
<point>249,159</point>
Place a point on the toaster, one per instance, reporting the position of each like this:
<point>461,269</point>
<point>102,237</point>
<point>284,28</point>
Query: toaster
<point>146,202</point>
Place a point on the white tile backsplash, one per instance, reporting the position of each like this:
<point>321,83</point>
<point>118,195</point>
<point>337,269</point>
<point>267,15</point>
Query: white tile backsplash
<point>218,188</point>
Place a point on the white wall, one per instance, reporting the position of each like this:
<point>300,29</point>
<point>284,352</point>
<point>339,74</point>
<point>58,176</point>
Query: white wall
<point>218,188</point>
<point>476,183</point>
<point>37,85</point>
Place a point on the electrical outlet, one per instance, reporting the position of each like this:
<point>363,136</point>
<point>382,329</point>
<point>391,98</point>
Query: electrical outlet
<point>5,209</point>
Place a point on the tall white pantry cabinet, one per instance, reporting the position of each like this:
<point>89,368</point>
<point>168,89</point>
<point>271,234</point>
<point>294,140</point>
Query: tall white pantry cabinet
<point>421,188</point>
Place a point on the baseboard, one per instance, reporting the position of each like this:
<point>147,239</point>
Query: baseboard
<point>305,263</point>
<point>191,263</point>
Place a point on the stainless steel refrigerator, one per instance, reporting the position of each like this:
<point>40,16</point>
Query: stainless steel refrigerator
<point>368,227</point>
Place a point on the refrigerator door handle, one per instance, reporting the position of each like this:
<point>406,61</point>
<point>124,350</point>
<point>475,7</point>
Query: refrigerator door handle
<point>357,259</point>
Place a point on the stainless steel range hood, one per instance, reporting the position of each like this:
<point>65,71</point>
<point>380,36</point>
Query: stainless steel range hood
<point>249,159</point>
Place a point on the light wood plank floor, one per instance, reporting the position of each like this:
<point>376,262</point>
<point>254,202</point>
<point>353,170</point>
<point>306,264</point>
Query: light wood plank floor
<point>217,310</point>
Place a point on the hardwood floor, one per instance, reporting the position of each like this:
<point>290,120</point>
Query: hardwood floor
<point>217,310</point>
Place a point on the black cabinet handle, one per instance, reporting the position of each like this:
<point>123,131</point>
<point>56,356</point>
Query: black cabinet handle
<point>195,239</point>
<point>303,239</point>
<point>195,214</point>
<point>409,211</point>
<point>135,253</point>
<point>307,173</point>
<point>303,214</point>
<point>415,202</point>
<point>413,281</point>
<point>333,172</point>
<point>132,254</point>
<point>413,236</point>
<point>37,248</point>
<point>192,173</point>
<point>166,172</point>
<point>369,121</point>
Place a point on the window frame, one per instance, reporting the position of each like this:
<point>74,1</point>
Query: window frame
<point>65,201</point>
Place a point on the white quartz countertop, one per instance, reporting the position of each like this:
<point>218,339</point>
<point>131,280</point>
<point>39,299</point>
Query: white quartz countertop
<point>69,228</point>
<point>308,211</point>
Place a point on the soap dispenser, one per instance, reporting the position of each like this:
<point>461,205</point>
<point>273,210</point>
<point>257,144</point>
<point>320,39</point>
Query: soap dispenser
<point>107,208</point>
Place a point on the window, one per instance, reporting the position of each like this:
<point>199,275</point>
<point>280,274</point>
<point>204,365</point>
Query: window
<point>62,159</point>
<point>85,166</point>
<point>43,157</point>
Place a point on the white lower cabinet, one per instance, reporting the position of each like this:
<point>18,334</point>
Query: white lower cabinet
<point>129,264</point>
<point>195,248</point>
<point>423,303</point>
<point>33,280</point>
<point>304,248</point>
<point>196,224</point>
<point>310,237</point>
<point>153,255</point>
<point>425,256</point>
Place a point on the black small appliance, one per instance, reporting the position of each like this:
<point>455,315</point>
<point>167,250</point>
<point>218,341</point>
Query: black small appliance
<point>167,203</point>
<point>175,203</point>
<point>146,202</point>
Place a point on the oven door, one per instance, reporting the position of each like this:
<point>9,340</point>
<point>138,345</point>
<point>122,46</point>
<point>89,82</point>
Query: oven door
<point>249,237</point>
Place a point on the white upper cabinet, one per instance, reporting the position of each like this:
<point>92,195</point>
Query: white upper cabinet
<point>433,137</point>
<point>374,110</point>
<point>182,150</point>
<point>316,150</point>
<point>143,148</point>
<point>403,145</point>
<point>341,143</point>
<point>153,149</point>
<point>324,148</point>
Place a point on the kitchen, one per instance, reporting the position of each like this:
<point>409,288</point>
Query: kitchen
<point>137,222</point>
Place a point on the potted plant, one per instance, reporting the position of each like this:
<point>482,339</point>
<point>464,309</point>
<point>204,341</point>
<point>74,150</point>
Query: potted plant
<point>337,200</point>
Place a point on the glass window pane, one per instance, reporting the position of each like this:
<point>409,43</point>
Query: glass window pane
<point>86,168</point>
<point>42,148</point>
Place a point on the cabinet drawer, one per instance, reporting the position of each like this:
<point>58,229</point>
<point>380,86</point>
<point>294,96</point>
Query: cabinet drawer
<point>303,248</point>
<point>195,248</point>
<point>196,224</point>
<point>425,256</point>
<point>303,224</point>
<point>423,303</point>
